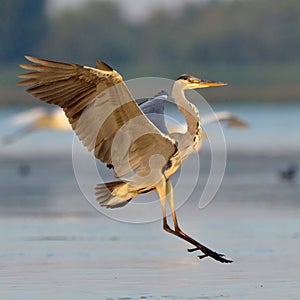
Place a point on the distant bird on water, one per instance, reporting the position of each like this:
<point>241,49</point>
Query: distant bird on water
<point>289,174</point>
<point>108,121</point>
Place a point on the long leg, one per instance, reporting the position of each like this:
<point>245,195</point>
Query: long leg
<point>178,232</point>
<point>166,191</point>
<point>161,190</point>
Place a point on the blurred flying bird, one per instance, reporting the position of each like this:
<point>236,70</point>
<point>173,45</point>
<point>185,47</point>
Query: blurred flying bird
<point>38,118</point>
<point>154,107</point>
<point>224,116</point>
<point>108,121</point>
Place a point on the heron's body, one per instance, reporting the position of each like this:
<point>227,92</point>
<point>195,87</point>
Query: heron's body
<point>108,121</point>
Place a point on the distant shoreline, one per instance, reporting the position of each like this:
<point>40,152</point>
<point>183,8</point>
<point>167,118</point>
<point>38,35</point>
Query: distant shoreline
<point>246,83</point>
<point>239,93</point>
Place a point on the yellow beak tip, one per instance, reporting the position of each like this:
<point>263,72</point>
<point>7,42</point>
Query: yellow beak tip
<point>220,84</point>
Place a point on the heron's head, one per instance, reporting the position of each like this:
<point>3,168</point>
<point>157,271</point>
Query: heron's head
<point>191,82</point>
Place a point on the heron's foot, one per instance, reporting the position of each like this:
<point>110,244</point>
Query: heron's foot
<point>196,249</point>
<point>209,253</point>
<point>202,256</point>
<point>193,249</point>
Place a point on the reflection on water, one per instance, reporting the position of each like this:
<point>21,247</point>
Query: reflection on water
<point>54,244</point>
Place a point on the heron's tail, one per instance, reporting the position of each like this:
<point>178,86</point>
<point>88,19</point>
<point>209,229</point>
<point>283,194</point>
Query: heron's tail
<point>114,194</point>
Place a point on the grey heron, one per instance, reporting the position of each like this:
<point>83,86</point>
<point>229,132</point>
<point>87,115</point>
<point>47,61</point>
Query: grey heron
<point>108,121</point>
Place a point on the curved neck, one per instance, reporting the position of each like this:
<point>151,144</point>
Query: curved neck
<point>188,109</point>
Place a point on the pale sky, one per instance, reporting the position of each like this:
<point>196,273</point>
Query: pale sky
<point>133,9</point>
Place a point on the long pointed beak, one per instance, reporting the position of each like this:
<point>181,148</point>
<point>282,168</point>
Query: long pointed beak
<point>216,83</point>
<point>208,83</point>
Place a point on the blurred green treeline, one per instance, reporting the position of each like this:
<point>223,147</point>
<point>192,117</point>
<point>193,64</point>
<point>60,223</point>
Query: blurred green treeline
<point>254,45</point>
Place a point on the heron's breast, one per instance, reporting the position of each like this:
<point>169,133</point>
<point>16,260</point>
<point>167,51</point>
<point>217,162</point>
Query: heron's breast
<point>173,165</point>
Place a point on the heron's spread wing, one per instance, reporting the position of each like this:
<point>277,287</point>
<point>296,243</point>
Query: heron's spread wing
<point>101,111</point>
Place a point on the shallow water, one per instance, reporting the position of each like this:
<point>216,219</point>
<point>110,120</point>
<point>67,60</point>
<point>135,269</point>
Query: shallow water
<point>55,245</point>
<point>97,258</point>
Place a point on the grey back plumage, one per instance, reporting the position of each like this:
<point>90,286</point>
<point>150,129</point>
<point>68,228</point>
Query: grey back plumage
<point>154,109</point>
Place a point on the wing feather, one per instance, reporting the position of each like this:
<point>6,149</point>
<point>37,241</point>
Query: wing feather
<point>102,112</point>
